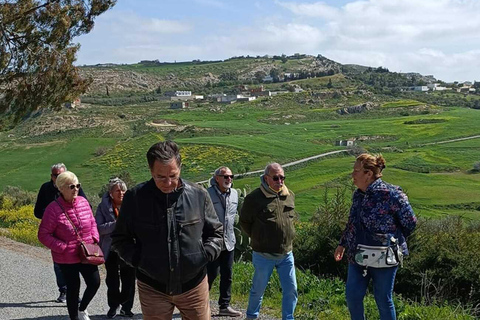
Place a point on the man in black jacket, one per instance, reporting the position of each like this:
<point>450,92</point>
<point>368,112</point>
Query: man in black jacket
<point>48,193</point>
<point>168,230</point>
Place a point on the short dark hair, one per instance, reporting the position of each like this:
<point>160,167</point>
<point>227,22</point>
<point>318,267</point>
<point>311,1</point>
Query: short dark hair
<point>164,151</point>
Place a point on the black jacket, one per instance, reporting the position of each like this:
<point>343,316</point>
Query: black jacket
<point>48,192</point>
<point>168,238</point>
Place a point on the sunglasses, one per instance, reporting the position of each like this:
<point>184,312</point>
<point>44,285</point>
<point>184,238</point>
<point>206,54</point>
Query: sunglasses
<point>278,178</point>
<point>226,176</point>
<point>73,186</point>
<point>55,174</point>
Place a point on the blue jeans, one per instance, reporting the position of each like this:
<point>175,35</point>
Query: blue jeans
<point>383,280</point>
<point>61,284</point>
<point>286,273</point>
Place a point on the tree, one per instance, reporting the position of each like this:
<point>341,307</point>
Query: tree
<point>229,76</point>
<point>37,53</point>
<point>275,74</point>
<point>259,75</point>
<point>329,84</point>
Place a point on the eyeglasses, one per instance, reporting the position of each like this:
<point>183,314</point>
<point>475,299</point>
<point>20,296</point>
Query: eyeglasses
<point>73,186</point>
<point>226,176</point>
<point>278,178</point>
<point>55,174</point>
<point>166,179</point>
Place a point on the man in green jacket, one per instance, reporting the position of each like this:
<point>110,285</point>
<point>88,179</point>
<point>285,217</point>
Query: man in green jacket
<point>267,218</point>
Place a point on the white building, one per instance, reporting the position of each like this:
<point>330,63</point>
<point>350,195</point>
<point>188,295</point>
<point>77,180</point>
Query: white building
<point>178,105</point>
<point>420,88</point>
<point>435,87</point>
<point>230,98</point>
<point>246,98</point>
<point>178,93</point>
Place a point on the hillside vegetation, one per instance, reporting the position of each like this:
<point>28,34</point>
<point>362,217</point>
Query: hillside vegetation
<point>126,111</point>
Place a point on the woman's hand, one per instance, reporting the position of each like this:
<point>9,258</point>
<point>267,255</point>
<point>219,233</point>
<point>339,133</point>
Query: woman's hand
<point>338,255</point>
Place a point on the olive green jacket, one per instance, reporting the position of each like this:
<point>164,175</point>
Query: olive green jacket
<point>268,220</point>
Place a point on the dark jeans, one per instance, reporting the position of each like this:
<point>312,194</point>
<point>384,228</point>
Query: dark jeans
<point>72,272</point>
<point>224,263</point>
<point>117,270</point>
<point>62,286</point>
<point>356,288</point>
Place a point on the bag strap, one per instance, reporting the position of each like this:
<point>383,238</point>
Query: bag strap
<point>70,220</point>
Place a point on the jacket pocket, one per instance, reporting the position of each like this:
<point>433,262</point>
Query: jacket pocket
<point>185,225</point>
<point>194,260</point>
<point>268,215</point>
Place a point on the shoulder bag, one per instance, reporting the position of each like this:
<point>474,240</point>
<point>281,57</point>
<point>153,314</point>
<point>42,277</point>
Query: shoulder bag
<point>90,253</point>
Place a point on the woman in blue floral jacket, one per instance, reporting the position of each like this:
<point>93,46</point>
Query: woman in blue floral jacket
<point>378,210</point>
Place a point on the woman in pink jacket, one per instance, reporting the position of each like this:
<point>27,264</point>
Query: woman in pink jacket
<point>57,233</point>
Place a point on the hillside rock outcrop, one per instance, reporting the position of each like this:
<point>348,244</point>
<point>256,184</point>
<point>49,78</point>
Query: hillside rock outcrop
<point>358,108</point>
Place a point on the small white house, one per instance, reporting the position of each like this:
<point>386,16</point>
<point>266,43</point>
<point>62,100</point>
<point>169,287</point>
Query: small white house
<point>435,87</point>
<point>348,143</point>
<point>229,99</point>
<point>178,93</point>
<point>246,98</point>
<point>216,96</point>
<point>420,88</point>
<point>178,105</point>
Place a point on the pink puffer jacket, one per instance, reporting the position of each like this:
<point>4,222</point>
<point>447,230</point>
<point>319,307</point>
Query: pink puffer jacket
<point>57,233</point>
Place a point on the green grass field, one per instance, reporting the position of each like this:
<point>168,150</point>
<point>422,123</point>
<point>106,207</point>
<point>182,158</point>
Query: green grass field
<point>249,135</point>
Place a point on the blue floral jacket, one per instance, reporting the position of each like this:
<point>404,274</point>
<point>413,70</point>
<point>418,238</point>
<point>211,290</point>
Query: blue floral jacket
<point>382,209</point>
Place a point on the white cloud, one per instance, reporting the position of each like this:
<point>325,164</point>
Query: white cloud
<point>318,9</point>
<point>406,19</point>
<point>128,24</point>
<point>126,35</point>
<point>438,37</point>
<point>272,38</point>
<point>398,34</point>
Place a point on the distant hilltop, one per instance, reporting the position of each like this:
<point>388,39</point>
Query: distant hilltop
<point>149,75</point>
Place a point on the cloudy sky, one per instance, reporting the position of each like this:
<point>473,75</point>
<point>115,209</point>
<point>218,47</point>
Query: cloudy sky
<point>432,37</point>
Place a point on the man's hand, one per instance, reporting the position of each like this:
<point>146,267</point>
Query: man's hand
<point>339,253</point>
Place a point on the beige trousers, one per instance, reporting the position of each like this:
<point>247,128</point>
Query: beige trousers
<point>193,304</point>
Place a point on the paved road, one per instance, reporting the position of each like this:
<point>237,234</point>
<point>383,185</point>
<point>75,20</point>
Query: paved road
<point>452,140</point>
<point>28,289</point>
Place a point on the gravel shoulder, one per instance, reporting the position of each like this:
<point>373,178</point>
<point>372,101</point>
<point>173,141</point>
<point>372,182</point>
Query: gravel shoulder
<point>28,289</point>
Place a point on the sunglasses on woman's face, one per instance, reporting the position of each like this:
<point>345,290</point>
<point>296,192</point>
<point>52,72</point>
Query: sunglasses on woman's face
<point>73,186</point>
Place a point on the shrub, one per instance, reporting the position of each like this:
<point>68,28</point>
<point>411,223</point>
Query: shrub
<point>19,223</point>
<point>443,264</point>
<point>316,240</point>
<point>17,197</point>
<point>100,151</point>
<point>476,167</point>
